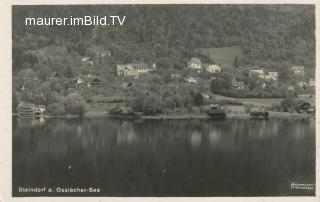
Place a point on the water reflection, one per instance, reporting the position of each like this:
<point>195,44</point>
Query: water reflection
<point>126,134</point>
<point>166,158</point>
<point>31,121</point>
<point>195,138</point>
<point>214,136</point>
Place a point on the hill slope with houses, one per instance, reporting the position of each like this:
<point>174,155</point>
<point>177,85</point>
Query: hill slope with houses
<point>177,66</point>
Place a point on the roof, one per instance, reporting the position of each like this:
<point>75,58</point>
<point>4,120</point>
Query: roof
<point>196,60</point>
<point>206,65</point>
<point>132,66</point>
<point>26,105</point>
<point>256,70</point>
<point>87,78</point>
<point>85,59</point>
<point>55,74</point>
<point>139,65</point>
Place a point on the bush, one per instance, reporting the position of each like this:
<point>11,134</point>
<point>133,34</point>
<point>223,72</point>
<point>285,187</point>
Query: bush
<point>248,107</point>
<point>56,109</point>
<point>150,105</point>
<point>276,107</point>
<point>76,109</point>
<point>288,104</point>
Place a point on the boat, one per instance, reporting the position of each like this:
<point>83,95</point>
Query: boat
<point>216,112</point>
<point>259,115</point>
<point>125,114</point>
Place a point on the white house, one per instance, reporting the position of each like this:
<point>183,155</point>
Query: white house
<point>213,68</point>
<point>191,80</point>
<point>298,70</point>
<point>272,76</point>
<point>290,88</point>
<point>239,85</point>
<point>132,69</point>
<point>258,72</point>
<point>87,60</point>
<point>195,63</point>
<point>312,83</point>
<point>205,96</point>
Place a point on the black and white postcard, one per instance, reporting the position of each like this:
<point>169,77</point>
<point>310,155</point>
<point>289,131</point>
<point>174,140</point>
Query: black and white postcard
<point>159,100</point>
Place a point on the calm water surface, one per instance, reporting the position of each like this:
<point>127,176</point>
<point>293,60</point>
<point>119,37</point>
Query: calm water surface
<point>236,157</point>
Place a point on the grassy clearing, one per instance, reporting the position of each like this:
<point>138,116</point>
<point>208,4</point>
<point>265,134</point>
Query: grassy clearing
<point>261,102</point>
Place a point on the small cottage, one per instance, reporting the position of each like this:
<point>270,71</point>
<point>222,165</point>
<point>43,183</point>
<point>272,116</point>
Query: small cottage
<point>87,60</point>
<point>302,84</point>
<point>290,87</point>
<point>298,70</point>
<point>258,72</point>
<point>312,83</point>
<point>272,76</point>
<point>205,96</point>
<point>238,85</point>
<point>89,81</point>
<point>53,75</point>
<point>191,80</point>
<point>132,69</point>
<point>306,108</point>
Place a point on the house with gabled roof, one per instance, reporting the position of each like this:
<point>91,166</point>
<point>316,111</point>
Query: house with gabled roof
<point>272,76</point>
<point>312,83</point>
<point>213,68</point>
<point>89,81</point>
<point>238,85</point>
<point>191,80</point>
<point>298,70</point>
<point>132,69</point>
<point>258,72</point>
<point>195,63</point>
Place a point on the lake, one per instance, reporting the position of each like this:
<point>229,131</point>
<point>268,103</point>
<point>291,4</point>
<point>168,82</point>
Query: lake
<point>235,157</point>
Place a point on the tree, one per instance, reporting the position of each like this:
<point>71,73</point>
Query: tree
<point>44,72</point>
<point>198,99</point>
<point>56,109</point>
<point>288,104</point>
<point>221,83</point>
<point>164,63</point>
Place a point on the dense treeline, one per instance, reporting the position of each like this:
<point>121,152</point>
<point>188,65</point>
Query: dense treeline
<point>269,35</point>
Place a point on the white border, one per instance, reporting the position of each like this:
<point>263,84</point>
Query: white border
<point>6,89</point>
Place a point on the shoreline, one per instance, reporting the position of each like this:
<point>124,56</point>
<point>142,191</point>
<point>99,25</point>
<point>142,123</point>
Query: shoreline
<point>175,116</point>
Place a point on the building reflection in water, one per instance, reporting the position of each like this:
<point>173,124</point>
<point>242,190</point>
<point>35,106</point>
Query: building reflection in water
<point>31,121</point>
<point>195,139</point>
<point>214,136</point>
<point>126,134</point>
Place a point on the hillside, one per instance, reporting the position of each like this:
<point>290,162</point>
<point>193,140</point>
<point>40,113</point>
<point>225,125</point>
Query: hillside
<point>273,35</point>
